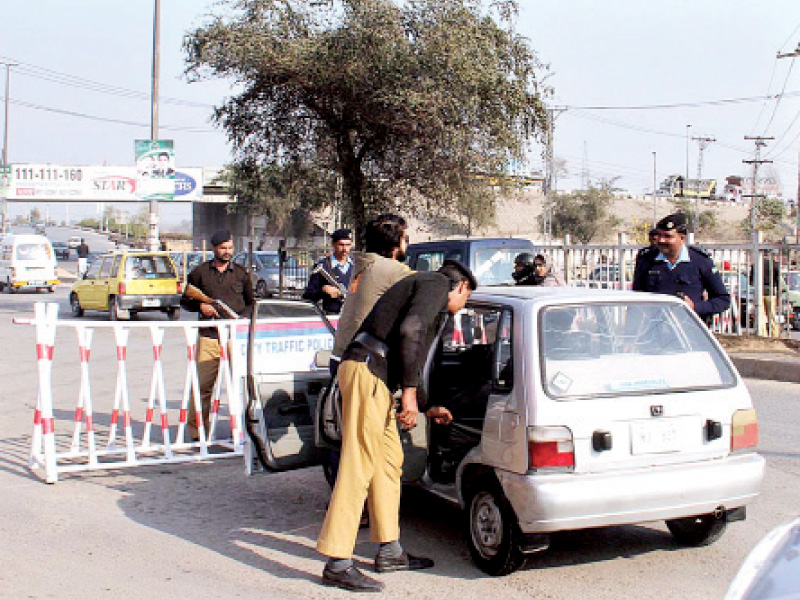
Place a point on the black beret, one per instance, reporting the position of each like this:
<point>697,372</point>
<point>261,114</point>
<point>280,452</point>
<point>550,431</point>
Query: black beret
<point>451,265</point>
<point>653,231</point>
<point>676,221</point>
<point>341,234</point>
<point>223,235</point>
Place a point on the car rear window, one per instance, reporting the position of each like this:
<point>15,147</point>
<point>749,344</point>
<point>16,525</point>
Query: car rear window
<point>33,252</point>
<point>148,267</point>
<point>623,349</point>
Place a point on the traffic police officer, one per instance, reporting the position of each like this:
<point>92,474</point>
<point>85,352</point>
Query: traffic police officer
<point>676,269</point>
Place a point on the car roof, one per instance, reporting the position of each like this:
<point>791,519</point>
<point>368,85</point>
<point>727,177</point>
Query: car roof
<point>564,294</point>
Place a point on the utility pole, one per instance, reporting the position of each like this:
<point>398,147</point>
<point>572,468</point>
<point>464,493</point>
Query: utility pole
<point>758,274</point>
<point>702,142</point>
<point>655,190</point>
<point>795,54</point>
<point>153,243</point>
<point>4,165</point>
<point>550,176</point>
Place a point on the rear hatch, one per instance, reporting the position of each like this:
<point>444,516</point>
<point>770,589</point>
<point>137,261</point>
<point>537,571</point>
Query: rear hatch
<point>637,384</point>
<point>149,274</point>
<point>34,262</point>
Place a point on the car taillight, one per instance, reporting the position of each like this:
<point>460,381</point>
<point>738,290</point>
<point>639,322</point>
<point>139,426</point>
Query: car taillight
<point>550,448</point>
<point>121,288</point>
<point>744,430</point>
<point>178,288</point>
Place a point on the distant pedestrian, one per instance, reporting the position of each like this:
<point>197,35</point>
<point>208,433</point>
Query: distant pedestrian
<point>83,257</point>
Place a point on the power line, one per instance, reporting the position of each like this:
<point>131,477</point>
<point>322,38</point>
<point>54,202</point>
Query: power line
<point>683,104</point>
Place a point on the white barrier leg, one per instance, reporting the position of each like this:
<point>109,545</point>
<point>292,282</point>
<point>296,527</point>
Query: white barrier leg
<point>157,334</point>
<point>235,408</point>
<point>37,449</point>
<point>84,408</point>
<point>46,317</point>
<point>121,397</point>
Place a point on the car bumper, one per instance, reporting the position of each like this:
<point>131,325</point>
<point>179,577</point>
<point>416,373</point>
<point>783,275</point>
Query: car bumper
<point>149,302</point>
<point>557,502</point>
<point>37,283</point>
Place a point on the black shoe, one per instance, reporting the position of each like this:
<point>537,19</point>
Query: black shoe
<point>406,562</point>
<point>351,579</point>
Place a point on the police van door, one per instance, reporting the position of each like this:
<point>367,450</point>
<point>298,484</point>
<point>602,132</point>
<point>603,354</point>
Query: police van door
<point>283,344</point>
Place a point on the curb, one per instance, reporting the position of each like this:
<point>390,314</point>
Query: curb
<point>775,368</point>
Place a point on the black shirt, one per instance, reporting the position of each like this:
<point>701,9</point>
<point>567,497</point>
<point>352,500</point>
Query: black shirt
<point>314,291</point>
<point>406,318</point>
<point>232,286</point>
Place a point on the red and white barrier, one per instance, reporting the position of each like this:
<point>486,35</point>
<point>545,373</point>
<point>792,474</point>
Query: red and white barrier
<point>95,437</point>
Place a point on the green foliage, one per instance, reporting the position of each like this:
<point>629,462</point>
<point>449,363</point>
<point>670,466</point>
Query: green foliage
<point>704,222</point>
<point>584,214</point>
<point>36,215</point>
<point>406,101</point>
<point>769,213</point>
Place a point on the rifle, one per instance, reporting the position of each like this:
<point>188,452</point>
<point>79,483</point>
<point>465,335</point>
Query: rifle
<point>321,270</point>
<point>195,294</point>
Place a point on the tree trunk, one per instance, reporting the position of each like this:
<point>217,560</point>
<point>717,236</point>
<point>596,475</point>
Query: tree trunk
<point>353,188</point>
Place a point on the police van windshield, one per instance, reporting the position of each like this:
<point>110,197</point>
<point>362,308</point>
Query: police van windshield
<point>494,266</point>
<point>619,349</point>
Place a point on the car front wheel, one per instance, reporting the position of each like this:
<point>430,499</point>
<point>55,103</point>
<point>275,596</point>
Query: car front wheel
<point>261,289</point>
<point>493,534</point>
<point>701,530</point>
<point>75,305</point>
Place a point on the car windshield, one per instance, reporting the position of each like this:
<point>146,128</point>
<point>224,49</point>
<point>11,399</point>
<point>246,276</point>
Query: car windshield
<point>268,260</point>
<point>148,267</point>
<point>621,349</point>
<point>494,266</point>
<point>33,252</point>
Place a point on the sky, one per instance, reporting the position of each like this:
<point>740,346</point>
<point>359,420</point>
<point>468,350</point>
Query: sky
<point>80,94</point>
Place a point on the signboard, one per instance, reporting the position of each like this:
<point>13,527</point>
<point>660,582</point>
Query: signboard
<point>155,170</point>
<point>40,182</point>
<point>285,345</point>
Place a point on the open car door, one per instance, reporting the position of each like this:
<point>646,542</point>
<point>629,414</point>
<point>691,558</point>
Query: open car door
<point>284,381</point>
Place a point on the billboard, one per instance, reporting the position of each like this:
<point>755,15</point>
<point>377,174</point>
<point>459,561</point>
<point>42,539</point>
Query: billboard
<point>155,170</point>
<point>45,182</point>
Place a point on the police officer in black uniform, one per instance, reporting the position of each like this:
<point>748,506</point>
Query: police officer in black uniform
<point>676,269</point>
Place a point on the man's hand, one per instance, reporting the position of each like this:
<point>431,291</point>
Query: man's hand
<point>689,302</point>
<point>331,290</point>
<point>440,415</point>
<point>209,311</point>
<point>408,415</point>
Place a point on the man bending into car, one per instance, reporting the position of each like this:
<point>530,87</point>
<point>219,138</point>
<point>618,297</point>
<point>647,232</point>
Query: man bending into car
<point>388,352</point>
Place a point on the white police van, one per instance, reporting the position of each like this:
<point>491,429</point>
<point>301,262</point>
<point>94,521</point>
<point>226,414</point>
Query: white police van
<point>27,261</point>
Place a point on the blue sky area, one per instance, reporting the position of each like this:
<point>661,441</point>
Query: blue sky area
<point>80,94</point>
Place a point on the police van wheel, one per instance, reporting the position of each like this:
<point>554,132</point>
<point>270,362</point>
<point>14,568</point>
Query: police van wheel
<point>493,535</point>
<point>261,289</point>
<point>701,530</point>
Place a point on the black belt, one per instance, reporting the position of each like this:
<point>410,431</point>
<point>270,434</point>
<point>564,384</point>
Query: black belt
<point>372,344</point>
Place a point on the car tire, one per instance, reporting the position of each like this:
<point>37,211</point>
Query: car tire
<point>701,530</point>
<point>51,289</point>
<point>114,310</point>
<point>75,305</point>
<point>493,534</point>
<point>174,313</point>
<point>261,289</point>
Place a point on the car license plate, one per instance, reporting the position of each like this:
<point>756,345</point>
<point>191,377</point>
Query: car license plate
<point>655,437</point>
<point>150,302</point>
<point>36,283</point>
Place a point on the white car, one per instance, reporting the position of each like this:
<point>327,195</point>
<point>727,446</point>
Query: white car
<point>74,242</point>
<point>573,408</point>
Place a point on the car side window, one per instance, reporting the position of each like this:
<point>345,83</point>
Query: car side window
<point>429,261</point>
<point>105,267</point>
<point>115,267</point>
<point>94,270</point>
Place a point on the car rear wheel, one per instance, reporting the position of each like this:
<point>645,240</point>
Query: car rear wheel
<point>493,534</point>
<point>115,313</point>
<point>701,530</point>
<point>75,305</point>
<point>174,313</point>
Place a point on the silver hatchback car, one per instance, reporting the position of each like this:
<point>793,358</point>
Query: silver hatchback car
<point>572,408</point>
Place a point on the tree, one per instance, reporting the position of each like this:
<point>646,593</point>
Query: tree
<point>584,214</point>
<point>36,215</point>
<point>704,222</point>
<point>402,100</point>
<point>769,213</point>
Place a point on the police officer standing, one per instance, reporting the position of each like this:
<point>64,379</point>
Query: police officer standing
<point>330,277</point>
<point>675,269</point>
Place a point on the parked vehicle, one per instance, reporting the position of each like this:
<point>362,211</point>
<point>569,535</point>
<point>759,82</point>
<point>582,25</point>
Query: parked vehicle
<point>572,408</point>
<point>126,283</point>
<point>266,273</point>
<point>792,297</point>
<point>606,277</point>
<point>27,261</point>
<point>192,260</point>
<point>490,259</point>
<point>74,241</point>
<point>61,249</point>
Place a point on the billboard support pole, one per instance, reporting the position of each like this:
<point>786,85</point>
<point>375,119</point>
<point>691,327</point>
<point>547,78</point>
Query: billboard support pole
<point>153,236</point>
